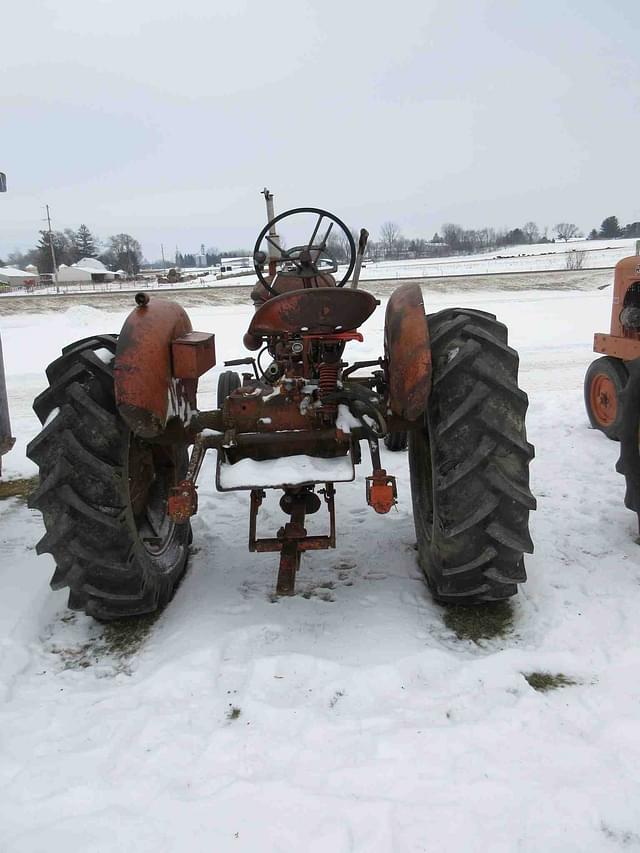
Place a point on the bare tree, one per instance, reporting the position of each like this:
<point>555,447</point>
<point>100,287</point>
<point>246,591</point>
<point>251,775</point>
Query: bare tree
<point>337,247</point>
<point>531,232</point>
<point>453,236</point>
<point>565,230</point>
<point>390,236</point>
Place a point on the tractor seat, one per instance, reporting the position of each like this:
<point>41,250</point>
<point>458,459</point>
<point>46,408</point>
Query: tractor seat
<point>319,310</point>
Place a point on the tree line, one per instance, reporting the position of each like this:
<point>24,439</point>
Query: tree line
<point>118,252</point>
<point>123,252</point>
<point>454,239</point>
<point>611,228</point>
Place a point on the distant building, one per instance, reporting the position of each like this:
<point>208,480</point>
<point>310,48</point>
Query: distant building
<point>235,264</point>
<point>201,259</point>
<point>87,269</point>
<point>14,277</point>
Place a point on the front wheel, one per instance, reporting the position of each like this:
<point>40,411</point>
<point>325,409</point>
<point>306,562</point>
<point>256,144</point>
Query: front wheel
<point>603,384</point>
<point>469,464</point>
<point>103,492</point>
<point>228,381</point>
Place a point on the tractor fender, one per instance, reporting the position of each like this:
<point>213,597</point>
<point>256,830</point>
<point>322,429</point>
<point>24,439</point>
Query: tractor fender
<point>147,393</point>
<point>408,352</point>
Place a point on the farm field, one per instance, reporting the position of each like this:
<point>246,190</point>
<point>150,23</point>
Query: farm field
<point>531,259</point>
<point>356,715</point>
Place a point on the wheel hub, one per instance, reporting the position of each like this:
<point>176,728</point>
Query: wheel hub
<point>604,402</point>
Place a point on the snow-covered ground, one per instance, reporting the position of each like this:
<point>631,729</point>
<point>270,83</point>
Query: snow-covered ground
<point>539,257</point>
<point>348,717</point>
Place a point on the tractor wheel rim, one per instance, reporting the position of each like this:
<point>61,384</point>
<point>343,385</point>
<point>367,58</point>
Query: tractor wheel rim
<point>604,402</point>
<point>152,473</point>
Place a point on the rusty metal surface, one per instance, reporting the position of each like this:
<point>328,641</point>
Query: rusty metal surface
<point>286,284</point>
<point>183,502</point>
<point>142,368</point>
<point>193,354</point>
<point>627,272</point>
<point>408,352</point>
<point>313,310</point>
<point>183,498</point>
<point>292,535</point>
<point>292,539</point>
<point>382,491</point>
<point>265,411</point>
<point>625,348</point>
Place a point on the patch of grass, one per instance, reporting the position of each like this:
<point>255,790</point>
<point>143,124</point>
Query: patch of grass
<point>18,488</point>
<point>233,713</point>
<point>124,637</point>
<point>544,681</point>
<point>479,622</point>
<point>111,645</point>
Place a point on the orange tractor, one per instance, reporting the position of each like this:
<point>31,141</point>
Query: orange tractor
<point>612,382</point>
<point>123,439</point>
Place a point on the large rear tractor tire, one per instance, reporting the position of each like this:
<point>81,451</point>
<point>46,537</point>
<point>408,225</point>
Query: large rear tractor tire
<point>603,385</point>
<point>629,461</point>
<point>469,465</point>
<point>103,492</point>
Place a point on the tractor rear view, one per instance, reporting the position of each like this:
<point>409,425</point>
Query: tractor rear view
<point>612,382</point>
<point>123,438</point>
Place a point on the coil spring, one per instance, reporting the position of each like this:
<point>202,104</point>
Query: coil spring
<point>328,381</point>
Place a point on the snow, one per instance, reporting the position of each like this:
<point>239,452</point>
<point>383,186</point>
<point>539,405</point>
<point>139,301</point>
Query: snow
<point>363,723</point>
<point>105,355</point>
<point>51,416</point>
<point>14,272</point>
<point>91,264</point>
<point>289,471</point>
<point>536,258</point>
<point>345,421</point>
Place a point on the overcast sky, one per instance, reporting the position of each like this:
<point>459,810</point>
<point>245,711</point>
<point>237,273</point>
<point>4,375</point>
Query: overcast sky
<point>166,119</point>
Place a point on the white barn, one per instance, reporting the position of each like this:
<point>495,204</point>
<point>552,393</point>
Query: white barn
<point>87,269</point>
<point>17,278</point>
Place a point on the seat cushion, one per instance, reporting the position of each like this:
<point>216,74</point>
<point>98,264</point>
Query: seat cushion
<point>317,311</point>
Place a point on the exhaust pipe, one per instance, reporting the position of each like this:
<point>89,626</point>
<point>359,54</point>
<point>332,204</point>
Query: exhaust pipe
<point>362,245</point>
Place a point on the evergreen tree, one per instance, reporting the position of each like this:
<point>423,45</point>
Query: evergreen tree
<point>610,227</point>
<point>62,248</point>
<point>85,243</point>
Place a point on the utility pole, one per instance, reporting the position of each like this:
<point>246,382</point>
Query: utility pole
<point>53,254</point>
<point>6,439</point>
<point>163,261</point>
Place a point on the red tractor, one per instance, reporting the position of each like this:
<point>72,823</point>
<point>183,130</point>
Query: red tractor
<point>123,438</point>
<point>612,383</point>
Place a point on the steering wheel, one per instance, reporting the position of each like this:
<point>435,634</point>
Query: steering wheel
<point>308,261</point>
